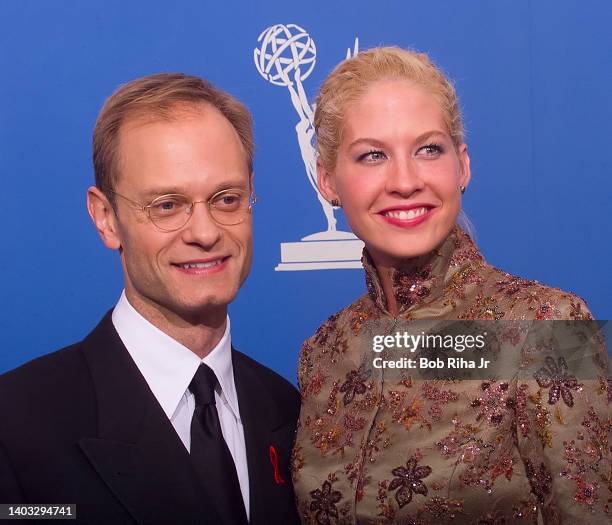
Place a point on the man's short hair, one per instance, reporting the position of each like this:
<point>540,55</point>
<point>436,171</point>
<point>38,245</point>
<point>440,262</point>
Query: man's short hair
<point>158,97</point>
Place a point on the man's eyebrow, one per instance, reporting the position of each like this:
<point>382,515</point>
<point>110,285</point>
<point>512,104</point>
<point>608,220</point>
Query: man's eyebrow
<point>161,190</point>
<point>156,191</point>
<point>229,184</point>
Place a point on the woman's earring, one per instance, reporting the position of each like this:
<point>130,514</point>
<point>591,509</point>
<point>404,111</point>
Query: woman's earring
<point>462,189</point>
<point>335,203</point>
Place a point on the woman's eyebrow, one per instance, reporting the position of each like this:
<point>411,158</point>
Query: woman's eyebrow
<point>368,141</point>
<point>429,134</point>
<point>380,144</point>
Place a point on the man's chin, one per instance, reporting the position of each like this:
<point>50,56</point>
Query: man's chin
<point>202,307</point>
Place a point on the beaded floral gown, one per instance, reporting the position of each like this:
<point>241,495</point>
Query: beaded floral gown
<point>377,447</point>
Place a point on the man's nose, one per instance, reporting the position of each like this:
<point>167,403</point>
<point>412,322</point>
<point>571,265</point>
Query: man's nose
<point>201,228</point>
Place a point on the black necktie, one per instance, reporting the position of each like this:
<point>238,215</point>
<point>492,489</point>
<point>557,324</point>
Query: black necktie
<point>211,458</point>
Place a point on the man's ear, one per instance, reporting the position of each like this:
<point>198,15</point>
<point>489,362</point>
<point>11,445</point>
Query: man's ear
<point>251,177</point>
<point>103,217</point>
<point>326,183</point>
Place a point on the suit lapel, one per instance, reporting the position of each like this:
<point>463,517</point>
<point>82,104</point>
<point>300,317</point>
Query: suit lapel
<point>137,453</point>
<point>264,427</point>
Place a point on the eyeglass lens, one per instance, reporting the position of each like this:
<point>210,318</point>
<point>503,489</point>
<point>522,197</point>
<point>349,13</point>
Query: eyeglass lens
<point>171,212</point>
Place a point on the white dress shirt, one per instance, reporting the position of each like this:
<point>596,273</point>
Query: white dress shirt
<point>168,367</point>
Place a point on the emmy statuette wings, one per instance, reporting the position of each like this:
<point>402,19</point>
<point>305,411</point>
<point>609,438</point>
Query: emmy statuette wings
<point>286,56</point>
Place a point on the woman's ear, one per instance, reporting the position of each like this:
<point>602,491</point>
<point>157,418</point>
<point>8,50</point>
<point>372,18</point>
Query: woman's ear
<point>326,183</point>
<point>464,161</point>
<point>103,216</point>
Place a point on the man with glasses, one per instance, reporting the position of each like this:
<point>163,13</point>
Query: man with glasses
<point>154,418</point>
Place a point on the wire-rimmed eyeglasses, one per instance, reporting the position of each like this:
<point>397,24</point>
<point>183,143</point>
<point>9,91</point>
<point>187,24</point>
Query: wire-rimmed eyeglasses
<point>172,211</point>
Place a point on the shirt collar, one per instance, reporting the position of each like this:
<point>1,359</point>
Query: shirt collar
<point>420,280</point>
<point>168,366</point>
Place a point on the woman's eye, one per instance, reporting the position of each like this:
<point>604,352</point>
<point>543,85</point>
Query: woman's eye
<point>431,150</point>
<point>372,156</point>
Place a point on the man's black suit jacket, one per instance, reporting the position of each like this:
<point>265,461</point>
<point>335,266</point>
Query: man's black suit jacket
<point>82,426</point>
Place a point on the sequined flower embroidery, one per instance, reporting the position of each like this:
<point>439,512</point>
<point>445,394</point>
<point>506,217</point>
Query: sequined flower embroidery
<point>586,493</point>
<point>324,504</point>
<point>355,384</point>
<point>492,404</point>
<point>325,330</point>
<point>411,287</point>
<point>496,518</point>
<point>541,480</point>
<point>408,480</point>
<point>555,376</point>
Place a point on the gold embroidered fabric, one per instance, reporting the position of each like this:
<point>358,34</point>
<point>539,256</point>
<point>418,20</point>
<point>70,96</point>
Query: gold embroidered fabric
<point>376,448</point>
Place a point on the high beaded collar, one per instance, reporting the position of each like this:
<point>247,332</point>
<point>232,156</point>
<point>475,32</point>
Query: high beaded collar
<point>422,279</point>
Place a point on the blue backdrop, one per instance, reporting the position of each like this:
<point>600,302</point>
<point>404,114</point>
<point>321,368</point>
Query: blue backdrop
<point>534,79</point>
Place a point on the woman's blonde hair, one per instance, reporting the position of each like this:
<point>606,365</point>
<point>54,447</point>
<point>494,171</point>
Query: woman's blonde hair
<point>352,77</point>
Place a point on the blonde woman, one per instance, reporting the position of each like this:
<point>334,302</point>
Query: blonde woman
<point>374,447</point>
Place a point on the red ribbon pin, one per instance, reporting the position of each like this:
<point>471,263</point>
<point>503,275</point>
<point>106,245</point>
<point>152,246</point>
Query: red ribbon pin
<point>274,460</point>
